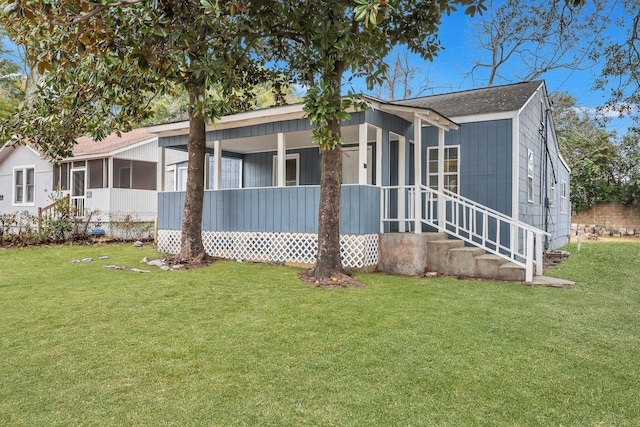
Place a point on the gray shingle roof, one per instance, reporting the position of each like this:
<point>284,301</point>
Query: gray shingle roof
<point>494,99</point>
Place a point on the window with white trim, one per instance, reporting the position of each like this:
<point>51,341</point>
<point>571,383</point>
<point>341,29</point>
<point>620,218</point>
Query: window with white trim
<point>451,168</point>
<point>181,179</point>
<point>530,176</point>
<point>291,170</point>
<point>563,197</point>
<point>24,185</point>
<point>552,196</point>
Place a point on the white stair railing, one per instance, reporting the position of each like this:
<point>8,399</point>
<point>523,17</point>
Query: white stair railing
<point>477,224</point>
<point>397,206</point>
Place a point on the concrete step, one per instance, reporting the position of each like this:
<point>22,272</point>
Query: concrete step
<point>431,236</point>
<point>511,272</point>
<point>438,254</point>
<point>462,261</point>
<point>553,282</point>
<point>487,265</point>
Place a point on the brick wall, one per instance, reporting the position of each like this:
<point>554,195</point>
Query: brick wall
<point>611,216</point>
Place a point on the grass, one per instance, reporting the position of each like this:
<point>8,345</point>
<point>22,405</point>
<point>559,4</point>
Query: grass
<point>248,344</point>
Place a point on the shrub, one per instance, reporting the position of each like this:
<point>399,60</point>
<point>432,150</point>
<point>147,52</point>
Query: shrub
<point>126,226</point>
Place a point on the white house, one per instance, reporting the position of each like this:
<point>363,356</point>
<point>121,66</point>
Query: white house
<point>116,176</point>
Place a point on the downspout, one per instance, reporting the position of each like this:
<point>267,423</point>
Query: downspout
<point>545,178</point>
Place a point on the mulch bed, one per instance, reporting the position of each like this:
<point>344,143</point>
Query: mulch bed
<point>193,263</point>
<point>337,281</point>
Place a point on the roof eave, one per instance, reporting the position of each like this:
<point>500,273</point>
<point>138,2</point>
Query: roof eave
<point>285,112</point>
<point>428,115</point>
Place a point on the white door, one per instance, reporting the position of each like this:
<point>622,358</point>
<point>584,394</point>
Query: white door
<point>350,172</point>
<point>78,190</point>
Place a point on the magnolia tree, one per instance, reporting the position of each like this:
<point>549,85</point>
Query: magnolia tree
<point>102,63</point>
<point>12,81</point>
<point>326,44</point>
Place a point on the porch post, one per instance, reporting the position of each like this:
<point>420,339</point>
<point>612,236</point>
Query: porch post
<point>217,165</point>
<point>161,166</point>
<point>442,210</point>
<point>539,255</point>
<point>417,161</point>
<point>281,161</point>
<point>207,172</point>
<point>362,154</point>
<point>379,157</point>
<point>109,176</point>
<point>529,257</point>
<point>402,181</point>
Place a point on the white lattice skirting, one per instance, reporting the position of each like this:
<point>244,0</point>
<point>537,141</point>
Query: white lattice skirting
<point>358,251</point>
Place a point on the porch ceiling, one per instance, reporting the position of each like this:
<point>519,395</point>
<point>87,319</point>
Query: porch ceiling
<point>293,140</point>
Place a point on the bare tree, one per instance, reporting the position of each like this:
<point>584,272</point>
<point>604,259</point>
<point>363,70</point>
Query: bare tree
<point>531,38</point>
<point>400,78</point>
<point>621,74</point>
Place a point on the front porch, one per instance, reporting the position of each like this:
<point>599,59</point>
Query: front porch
<point>277,224</point>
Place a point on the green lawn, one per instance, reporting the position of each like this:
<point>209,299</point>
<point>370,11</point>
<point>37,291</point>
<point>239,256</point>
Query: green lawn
<point>247,344</point>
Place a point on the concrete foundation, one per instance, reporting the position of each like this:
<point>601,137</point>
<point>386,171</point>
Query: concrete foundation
<point>404,253</point>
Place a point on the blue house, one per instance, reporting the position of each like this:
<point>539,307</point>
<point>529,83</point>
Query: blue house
<point>482,166</point>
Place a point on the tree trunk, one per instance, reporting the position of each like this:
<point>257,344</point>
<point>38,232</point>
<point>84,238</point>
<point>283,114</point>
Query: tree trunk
<point>328,262</point>
<point>191,248</point>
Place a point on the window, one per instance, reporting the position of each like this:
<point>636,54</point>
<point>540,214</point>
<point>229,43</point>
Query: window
<point>530,176</point>
<point>134,174</point>
<point>291,170</point>
<point>97,173</point>
<point>181,185</point>
<point>552,196</point>
<point>24,185</point>
<point>61,177</point>
<point>563,197</point>
<point>143,175</point>
<point>230,174</point>
<point>124,177</point>
<point>451,170</point>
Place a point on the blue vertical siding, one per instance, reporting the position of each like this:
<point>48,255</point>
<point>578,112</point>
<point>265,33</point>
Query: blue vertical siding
<point>485,160</point>
<point>286,209</point>
<point>258,167</point>
<point>532,121</point>
<point>257,170</point>
<point>388,122</point>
